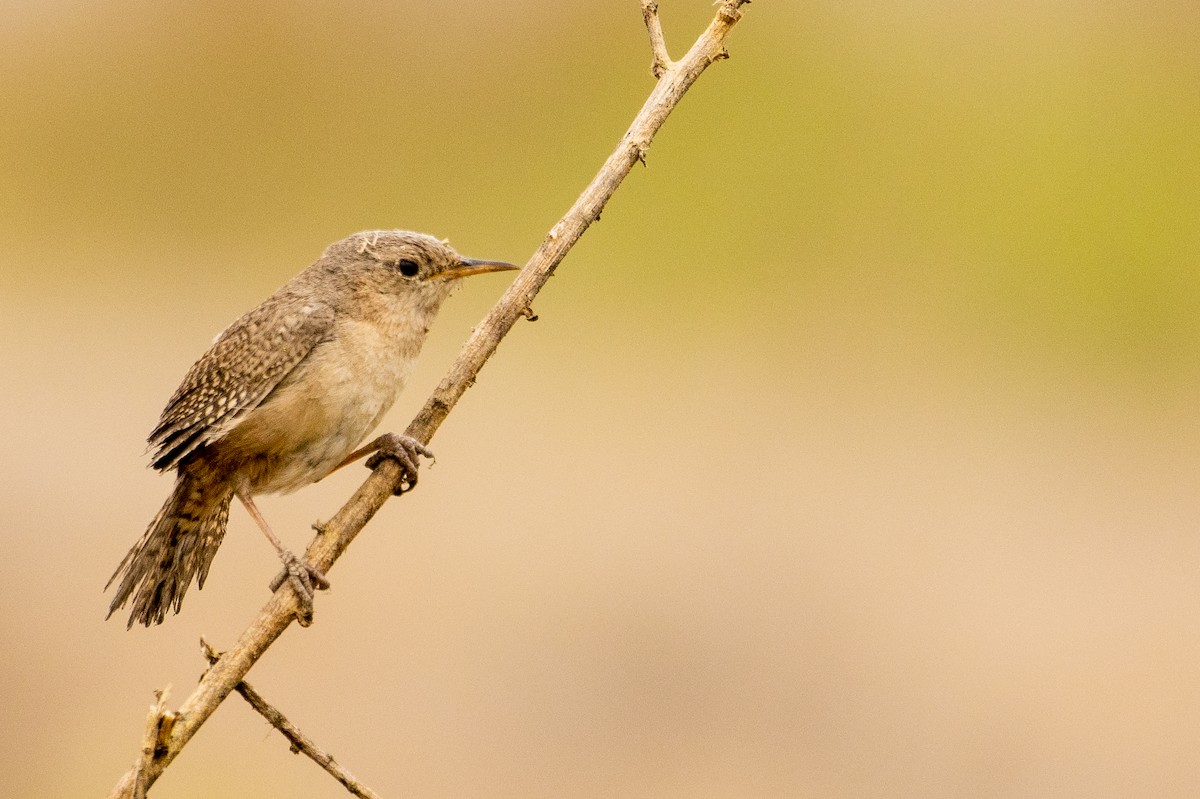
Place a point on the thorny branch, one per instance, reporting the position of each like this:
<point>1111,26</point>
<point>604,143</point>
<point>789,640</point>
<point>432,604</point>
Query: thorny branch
<point>300,742</point>
<point>331,541</point>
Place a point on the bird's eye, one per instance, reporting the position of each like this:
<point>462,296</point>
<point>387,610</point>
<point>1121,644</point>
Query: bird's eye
<point>408,268</point>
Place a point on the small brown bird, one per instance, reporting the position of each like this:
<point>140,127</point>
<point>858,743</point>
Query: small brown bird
<point>282,399</point>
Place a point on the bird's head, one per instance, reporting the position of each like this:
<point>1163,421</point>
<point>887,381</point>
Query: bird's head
<point>401,262</point>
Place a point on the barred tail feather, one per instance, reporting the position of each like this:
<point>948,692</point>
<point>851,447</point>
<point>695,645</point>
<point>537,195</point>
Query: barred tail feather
<point>178,546</point>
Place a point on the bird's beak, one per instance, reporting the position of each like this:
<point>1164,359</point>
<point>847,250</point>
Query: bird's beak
<point>474,266</point>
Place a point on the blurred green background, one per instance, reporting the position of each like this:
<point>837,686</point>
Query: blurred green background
<point>855,451</point>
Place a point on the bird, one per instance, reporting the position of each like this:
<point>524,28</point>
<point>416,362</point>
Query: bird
<point>282,398</point>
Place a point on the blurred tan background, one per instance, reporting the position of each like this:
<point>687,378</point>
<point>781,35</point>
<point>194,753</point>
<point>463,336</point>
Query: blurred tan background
<point>855,452</point>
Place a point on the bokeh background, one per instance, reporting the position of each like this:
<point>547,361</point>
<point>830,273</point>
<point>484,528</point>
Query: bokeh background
<point>855,451</point>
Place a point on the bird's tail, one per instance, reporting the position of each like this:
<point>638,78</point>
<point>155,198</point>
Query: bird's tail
<point>178,545</point>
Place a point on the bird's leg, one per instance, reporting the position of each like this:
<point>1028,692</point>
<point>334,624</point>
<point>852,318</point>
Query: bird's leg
<point>403,448</point>
<point>304,578</point>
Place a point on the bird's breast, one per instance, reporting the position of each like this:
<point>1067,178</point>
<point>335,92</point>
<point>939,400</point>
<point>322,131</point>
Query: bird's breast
<point>326,406</point>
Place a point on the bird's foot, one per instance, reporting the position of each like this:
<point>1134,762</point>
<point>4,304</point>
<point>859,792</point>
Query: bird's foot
<point>404,450</point>
<point>306,581</point>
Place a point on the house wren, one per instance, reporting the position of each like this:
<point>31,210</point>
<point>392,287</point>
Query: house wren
<point>282,399</point>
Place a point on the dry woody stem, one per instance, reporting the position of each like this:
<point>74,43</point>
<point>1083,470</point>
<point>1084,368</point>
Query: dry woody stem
<point>300,743</point>
<point>658,43</point>
<point>333,537</point>
<point>159,722</point>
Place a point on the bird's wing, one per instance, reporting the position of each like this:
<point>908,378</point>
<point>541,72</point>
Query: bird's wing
<point>245,363</point>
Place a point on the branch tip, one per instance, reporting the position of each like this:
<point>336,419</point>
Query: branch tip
<point>658,43</point>
<point>730,10</point>
<point>159,723</point>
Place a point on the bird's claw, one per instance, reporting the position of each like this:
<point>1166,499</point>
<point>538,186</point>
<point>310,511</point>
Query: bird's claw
<point>404,450</point>
<point>306,580</point>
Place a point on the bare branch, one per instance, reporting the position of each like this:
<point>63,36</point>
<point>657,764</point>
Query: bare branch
<point>562,237</point>
<point>340,531</point>
<point>658,44</point>
<point>300,742</point>
<point>159,722</point>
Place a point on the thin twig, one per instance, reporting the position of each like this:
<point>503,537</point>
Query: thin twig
<point>300,742</point>
<point>339,532</point>
<point>159,722</point>
<point>658,43</point>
